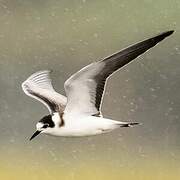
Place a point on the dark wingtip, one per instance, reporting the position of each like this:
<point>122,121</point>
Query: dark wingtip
<point>168,33</point>
<point>165,34</point>
<point>156,39</point>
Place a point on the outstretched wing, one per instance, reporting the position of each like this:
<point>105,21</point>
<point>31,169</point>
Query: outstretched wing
<point>38,86</point>
<point>85,88</point>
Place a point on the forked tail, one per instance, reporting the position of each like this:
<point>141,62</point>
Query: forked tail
<point>129,124</point>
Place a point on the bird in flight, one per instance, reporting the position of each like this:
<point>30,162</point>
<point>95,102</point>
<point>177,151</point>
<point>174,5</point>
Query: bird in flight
<point>79,114</point>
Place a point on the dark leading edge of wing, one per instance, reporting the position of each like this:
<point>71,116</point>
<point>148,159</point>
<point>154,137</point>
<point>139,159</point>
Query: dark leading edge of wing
<point>118,60</point>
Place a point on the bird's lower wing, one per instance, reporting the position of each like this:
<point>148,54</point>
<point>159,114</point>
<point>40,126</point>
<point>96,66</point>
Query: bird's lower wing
<point>38,86</point>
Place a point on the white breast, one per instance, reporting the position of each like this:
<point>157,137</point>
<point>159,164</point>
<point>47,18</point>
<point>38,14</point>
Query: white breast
<point>85,126</point>
<point>56,119</point>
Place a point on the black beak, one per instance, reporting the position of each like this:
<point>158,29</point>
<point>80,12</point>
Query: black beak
<point>35,134</point>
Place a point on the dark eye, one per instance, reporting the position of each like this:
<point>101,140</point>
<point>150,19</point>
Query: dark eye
<point>46,125</point>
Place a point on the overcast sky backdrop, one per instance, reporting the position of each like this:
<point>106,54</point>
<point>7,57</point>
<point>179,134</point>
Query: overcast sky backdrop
<point>64,36</point>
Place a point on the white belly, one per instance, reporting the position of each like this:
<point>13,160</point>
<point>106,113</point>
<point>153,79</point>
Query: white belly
<point>84,126</point>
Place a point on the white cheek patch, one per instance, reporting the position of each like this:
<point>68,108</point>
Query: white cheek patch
<point>39,125</point>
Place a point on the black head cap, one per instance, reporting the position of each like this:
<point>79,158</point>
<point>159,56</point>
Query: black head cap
<point>47,123</point>
<point>48,120</point>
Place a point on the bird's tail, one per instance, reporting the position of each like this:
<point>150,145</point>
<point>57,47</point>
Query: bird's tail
<point>128,124</point>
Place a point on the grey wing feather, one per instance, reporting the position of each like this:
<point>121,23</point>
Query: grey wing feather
<point>119,59</point>
<point>85,88</point>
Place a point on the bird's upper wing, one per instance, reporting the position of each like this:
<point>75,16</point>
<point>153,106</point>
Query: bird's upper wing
<point>85,88</point>
<point>38,86</point>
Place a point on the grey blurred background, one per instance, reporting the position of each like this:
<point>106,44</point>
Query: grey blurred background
<point>64,36</point>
